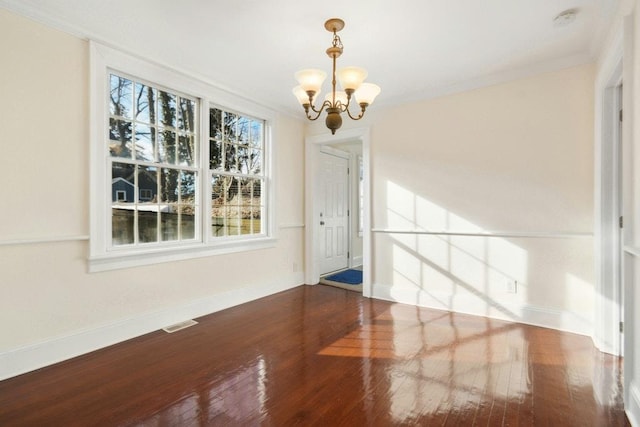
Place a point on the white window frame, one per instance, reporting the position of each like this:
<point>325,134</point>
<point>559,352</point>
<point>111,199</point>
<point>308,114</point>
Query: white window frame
<point>121,193</point>
<point>103,256</point>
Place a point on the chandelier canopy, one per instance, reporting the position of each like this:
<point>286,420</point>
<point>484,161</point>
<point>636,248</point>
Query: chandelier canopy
<point>337,102</point>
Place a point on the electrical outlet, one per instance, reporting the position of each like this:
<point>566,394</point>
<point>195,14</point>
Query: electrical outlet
<point>512,286</point>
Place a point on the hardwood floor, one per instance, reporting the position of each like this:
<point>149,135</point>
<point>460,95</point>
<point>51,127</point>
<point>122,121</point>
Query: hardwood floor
<point>317,355</point>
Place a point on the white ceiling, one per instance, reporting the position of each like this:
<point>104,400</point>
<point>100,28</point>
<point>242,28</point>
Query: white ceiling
<point>413,49</point>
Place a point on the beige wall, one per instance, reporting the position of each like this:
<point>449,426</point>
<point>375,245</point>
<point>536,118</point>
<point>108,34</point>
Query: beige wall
<point>515,157</point>
<point>44,117</point>
<point>48,298</point>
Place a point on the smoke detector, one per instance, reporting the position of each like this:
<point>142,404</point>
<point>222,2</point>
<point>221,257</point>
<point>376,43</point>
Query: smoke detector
<point>565,18</point>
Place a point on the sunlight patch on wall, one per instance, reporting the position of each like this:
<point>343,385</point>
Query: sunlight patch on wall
<point>486,272</point>
<point>410,271</point>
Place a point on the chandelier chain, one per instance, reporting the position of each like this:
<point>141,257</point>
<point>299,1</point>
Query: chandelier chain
<point>336,41</point>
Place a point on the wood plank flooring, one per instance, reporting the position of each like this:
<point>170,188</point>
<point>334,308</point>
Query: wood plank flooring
<point>317,355</point>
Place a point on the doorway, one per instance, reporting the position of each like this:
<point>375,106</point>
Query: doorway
<point>314,232</point>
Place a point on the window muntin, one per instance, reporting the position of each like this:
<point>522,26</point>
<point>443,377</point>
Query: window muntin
<point>153,159</point>
<point>236,156</point>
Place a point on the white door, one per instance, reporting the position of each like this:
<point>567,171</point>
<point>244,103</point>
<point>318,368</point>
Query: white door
<point>334,212</point>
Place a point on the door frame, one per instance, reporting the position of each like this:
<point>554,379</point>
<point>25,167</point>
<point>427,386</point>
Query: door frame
<point>607,198</point>
<point>313,145</point>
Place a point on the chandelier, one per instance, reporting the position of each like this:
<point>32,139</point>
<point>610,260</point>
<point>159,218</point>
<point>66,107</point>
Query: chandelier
<point>337,102</point>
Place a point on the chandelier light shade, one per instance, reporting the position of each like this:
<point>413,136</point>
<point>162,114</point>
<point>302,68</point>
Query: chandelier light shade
<point>336,102</point>
<point>366,93</point>
<point>311,80</point>
<point>351,77</point>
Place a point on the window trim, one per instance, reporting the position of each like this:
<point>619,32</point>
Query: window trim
<point>119,193</point>
<point>103,257</point>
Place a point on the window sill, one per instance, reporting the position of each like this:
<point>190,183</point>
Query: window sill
<point>130,259</point>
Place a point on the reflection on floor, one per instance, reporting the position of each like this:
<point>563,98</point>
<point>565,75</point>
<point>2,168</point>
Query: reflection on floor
<point>349,287</point>
<point>319,356</point>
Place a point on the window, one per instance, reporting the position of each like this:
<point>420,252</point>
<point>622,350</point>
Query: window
<point>121,196</point>
<point>235,163</point>
<point>153,146</point>
<point>145,194</point>
<point>188,166</point>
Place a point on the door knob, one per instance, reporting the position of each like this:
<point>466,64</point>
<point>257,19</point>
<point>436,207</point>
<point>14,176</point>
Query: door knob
<point>321,222</point>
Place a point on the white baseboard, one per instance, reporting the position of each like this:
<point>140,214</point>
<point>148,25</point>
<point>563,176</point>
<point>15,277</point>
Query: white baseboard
<point>21,360</point>
<point>632,404</point>
<point>469,304</point>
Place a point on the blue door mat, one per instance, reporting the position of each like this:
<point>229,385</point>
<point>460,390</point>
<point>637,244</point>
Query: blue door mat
<point>351,277</point>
